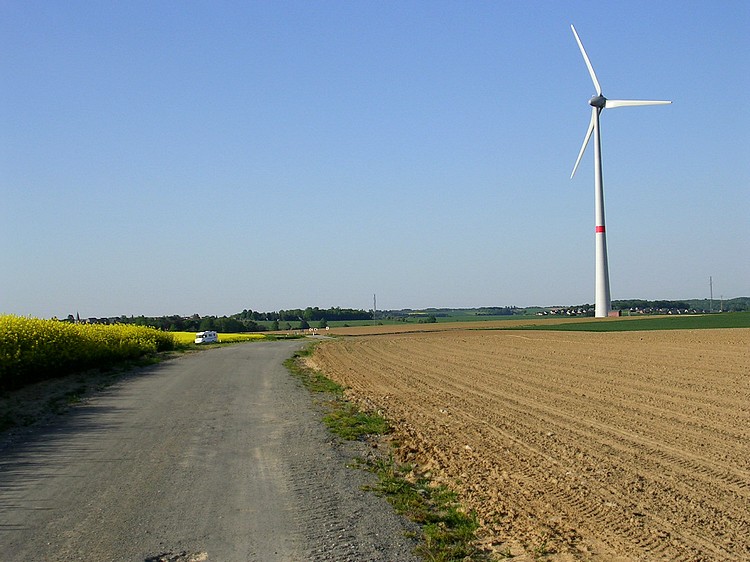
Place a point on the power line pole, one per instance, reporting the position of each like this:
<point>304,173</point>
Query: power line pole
<point>711,289</point>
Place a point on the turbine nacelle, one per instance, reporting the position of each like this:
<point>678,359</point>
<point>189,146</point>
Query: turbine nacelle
<point>598,101</point>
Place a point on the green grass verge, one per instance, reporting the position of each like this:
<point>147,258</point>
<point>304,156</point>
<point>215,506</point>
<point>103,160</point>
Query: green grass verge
<point>629,323</point>
<point>314,381</point>
<point>448,533</point>
<point>348,422</point>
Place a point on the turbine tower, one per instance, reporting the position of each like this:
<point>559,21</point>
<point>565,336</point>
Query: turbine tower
<point>597,103</point>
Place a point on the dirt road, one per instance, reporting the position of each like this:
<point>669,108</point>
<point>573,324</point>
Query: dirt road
<point>218,456</point>
<point>574,446</point>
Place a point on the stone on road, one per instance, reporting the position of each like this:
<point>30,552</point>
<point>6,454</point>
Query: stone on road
<point>218,456</point>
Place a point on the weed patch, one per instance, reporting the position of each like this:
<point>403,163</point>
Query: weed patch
<point>448,533</point>
<point>346,421</point>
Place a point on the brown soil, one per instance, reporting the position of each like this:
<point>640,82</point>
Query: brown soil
<point>573,445</point>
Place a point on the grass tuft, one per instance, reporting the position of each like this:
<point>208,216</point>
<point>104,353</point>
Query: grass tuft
<point>346,421</point>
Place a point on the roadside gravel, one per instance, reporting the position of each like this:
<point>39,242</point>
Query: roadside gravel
<point>217,456</point>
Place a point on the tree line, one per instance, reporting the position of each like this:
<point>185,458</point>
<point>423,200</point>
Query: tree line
<point>245,321</point>
<point>646,304</point>
<point>310,314</point>
<point>196,323</point>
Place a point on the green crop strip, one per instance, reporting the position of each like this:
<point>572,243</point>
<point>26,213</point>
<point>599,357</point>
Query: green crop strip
<point>646,323</point>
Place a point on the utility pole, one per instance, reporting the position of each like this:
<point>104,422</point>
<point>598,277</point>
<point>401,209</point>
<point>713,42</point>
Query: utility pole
<point>711,289</point>
<point>374,306</point>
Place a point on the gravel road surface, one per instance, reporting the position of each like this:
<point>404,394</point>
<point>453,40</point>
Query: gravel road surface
<point>218,456</point>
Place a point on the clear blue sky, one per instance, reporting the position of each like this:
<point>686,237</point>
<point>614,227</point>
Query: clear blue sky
<point>208,157</point>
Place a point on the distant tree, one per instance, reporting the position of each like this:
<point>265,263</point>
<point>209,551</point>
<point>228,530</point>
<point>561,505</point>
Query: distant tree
<point>230,325</point>
<point>207,323</point>
<point>323,323</point>
<point>303,325</point>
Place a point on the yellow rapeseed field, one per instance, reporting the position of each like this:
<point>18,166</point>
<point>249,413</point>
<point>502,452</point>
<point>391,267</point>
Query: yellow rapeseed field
<point>32,349</point>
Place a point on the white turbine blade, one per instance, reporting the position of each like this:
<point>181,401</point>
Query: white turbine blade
<point>609,104</point>
<point>588,62</point>
<point>585,141</point>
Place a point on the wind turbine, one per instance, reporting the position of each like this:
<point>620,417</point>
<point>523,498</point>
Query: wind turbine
<point>597,103</point>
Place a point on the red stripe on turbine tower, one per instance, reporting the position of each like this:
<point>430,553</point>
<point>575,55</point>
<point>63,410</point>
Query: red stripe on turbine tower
<point>599,229</point>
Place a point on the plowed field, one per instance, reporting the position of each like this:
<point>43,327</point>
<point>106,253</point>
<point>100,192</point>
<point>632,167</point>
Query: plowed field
<point>573,445</point>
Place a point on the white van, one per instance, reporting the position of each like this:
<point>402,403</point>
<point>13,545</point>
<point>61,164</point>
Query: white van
<point>206,337</point>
